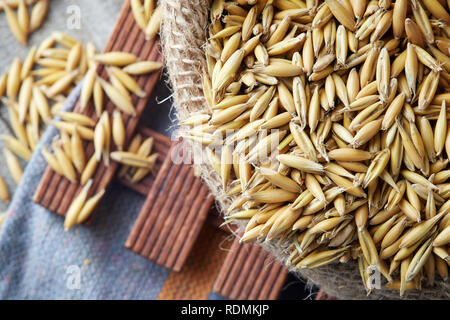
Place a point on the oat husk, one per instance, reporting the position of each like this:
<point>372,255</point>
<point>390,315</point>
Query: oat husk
<point>183,34</point>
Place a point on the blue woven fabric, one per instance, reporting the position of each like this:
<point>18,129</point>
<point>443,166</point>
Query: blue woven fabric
<point>216,296</point>
<point>39,260</point>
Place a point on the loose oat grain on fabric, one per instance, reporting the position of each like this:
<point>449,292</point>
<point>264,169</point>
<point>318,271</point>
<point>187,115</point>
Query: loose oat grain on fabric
<point>96,20</point>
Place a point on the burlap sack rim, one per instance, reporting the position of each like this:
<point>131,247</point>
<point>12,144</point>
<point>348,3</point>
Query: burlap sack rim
<point>183,34</point>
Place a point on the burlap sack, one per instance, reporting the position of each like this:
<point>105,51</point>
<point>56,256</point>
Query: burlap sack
<point>183,34</point>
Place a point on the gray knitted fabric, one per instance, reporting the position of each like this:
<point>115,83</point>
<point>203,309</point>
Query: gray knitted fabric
<point>38,260</point>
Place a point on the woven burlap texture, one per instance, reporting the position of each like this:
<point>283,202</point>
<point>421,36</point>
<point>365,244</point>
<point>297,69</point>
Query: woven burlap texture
<point>183,34</point>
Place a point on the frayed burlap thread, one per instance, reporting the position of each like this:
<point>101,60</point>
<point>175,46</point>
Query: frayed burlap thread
<point>183,34</point>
